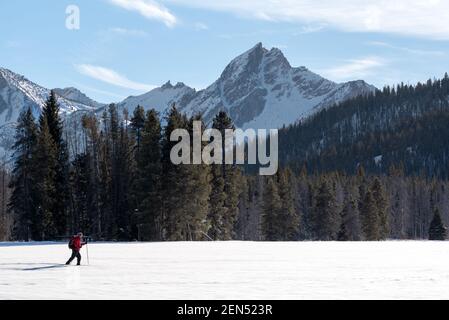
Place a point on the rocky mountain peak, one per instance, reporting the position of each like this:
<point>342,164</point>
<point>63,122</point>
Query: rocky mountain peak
<point>75,95</point>
<point>259,89</point>
<point>167,85</point>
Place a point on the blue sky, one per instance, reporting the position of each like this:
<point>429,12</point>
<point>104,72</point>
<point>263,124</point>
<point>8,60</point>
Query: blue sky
<point>126,47</point>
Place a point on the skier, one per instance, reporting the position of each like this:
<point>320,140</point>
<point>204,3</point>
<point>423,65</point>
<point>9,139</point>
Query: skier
<point>75,244</point>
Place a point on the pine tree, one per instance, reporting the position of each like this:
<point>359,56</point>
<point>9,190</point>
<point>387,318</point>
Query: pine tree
<point>272,210</point>
<point>362,183</point>
<point>233,181</point>
<point>137,125</point>
<point>218,209</point>
<point>437,230</point>
<point>116,166</point>
<point>225,189</point>
<point>122,169</point>
<point>147,186</point>
<point>370,218</point>
<point>93,145</point>
<point>50,114</point>
<point>23,183</point>
<point>289,217</point>
<point>45,163</point>
<point>105,152</point>
<point>343,234</point>
<point>380,198</point>
<point>350,223</point>
<point>186,188</point>
<point>6,218</point>
<point>80,190</point>
<point>374,212</point>
<point>173,184</point>
<point>326,222</point>
<point>196,194</point>
<point>305,199</point>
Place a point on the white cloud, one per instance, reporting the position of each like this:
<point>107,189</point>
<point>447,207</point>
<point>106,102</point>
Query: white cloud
<point>199,26</point>
<point>89,90</point>
<point>111,77</point>
<point>310,29</point>
<point>149,9</point>
<point>129,32</point>
<point>407,50</point>
<point>354,69</point>
<point>424,18</point>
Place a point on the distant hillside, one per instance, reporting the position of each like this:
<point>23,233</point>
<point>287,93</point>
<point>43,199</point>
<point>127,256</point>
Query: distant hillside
<point>406,126</point>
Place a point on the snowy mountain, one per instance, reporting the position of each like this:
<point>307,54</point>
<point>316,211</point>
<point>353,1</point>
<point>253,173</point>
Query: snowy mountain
<point>161,98</point>
<point>75,95</point>
<point>18,93</point>
<point>259,89</point>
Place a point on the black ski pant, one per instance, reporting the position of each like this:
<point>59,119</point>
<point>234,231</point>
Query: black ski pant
<point>75,254</point>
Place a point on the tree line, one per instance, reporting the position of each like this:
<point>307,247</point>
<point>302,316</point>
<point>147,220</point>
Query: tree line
<point>121,185</point>
<point>335,206</point>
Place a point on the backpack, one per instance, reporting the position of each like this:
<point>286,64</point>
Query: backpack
<point>71,243</point>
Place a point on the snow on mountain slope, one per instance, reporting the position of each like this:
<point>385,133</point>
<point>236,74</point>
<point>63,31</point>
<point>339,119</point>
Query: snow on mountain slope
<point>18,93</point>
<point>160,98</point>
<point>259,89</point>
<point>75,95</point>
<point>16,90</point>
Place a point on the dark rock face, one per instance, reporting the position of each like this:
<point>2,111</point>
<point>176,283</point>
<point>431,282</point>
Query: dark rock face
<point>250,107</point>
<point>262,84</point>
<point>3,104</point>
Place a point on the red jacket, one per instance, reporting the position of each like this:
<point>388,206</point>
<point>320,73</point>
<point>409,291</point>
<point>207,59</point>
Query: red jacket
<point>77,244</point>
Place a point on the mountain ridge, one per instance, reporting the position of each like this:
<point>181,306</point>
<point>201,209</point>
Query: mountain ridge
<point>254,89</point>
<point>18,93</point>
<point>259,89</point>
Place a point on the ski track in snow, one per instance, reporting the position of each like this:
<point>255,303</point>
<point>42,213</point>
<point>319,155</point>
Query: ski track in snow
<point>228,270</point>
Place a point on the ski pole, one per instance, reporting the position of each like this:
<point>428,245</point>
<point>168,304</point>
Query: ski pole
<point>87,253</point>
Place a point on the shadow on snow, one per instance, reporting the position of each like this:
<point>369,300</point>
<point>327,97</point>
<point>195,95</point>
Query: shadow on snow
<point>39,266</point>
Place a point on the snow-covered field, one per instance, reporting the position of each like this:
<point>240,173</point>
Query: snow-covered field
<point>228,270</point>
